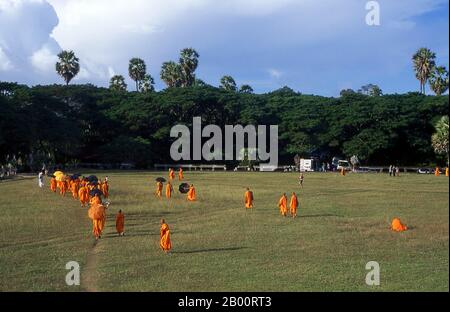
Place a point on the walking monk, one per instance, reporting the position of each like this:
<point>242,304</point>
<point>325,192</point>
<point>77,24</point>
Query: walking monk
<point>169,190</point>
<point>83,195</point>
<point>120,223</point>
<point>293,205</point>
<point>97,214</point>
<point>53,185</point>
<point>437,172</point>
<point>282,204</point>
<point>105,188</point>
<point>74,187</point>
<point>159,187</point>
<point>191,195</point>
<point>342,171</point>
<point>62,188</point>
<point>446,171</point>
<point>248,198</point>
<point>398,226</point>
<point>171,174</point>
<point>180,174</point>
<point>164,233</point>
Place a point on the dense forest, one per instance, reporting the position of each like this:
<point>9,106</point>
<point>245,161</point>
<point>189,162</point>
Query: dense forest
<point>88,124</point>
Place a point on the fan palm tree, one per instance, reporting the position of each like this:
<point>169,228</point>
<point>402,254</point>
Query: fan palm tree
<point>439,80</point>
<point>439,139</point>
<point>424,63</point>
<point>171,74</point>
<point>68,65</point>
<point>117,83</point>
<point>147,84</point>
<point>137,70</point>
<point>228,83</point>
<point>188,62</point>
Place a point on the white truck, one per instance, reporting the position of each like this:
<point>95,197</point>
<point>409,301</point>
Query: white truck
<point>306,165</point>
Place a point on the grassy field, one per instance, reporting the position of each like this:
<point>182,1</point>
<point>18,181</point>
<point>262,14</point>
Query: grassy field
<point>218,245</point>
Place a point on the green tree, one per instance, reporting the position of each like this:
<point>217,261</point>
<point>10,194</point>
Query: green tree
<point>439,139</point>
<point>371,90</point>
<point>68,65</point>
<point>137,70</point>
<point>228,83</point>
<point>188,62</point>
<point>117,83</point>
<point>147,84</point>
<point>423,63</point>
<point>171,74</point>
<point>439,80</point>
<point>245,88</point>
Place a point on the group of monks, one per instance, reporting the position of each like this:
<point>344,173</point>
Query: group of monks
<point>437,172</point>
<point>191,194</point>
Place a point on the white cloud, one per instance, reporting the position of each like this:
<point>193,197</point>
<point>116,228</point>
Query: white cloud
<point>274,73</point>
<point>44,59</point>
<point>5,63</point>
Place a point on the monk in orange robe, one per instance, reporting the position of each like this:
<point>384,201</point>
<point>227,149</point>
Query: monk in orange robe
<point>293,205</point>
<point>437,172</point>
<point>53,184</point>
<point>342,172</point>
<point>74,188</point>
<point>282,204</point>
<point>159,188</point>
<point>169,190</point>
<point>248,198</point>
<point>83,195</point>
<point>97,214</point>
<point>120,223</point>
<point>95,200</point>
<point>398,226</point>
<point>191,195</point>
<point>171,174</point>
<point>164,241</point>
<point>62,188</point>
<point>446,171</point>
<point>105,189</point>
<point>180,174</point>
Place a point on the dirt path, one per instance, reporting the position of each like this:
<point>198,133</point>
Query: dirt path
<point>89,274</point>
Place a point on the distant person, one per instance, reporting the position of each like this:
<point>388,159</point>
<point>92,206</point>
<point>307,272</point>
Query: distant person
<point>191,195</point>
<point>446,171</point>
<point>105,188</point>
<point>120,223</point>
<point>164,233</point>
<point>159,188</point>
<point>342,171</point>
<point>180,174</point>
<point>398,226</point>
<point>248,198</point>
<point>282,205</point>
<point>83,194</point>
<point>301,179</point>
<point>41,179</point>
<point>391,169</point>
<point>293,205</point>
<point>171,174</point>
<point>437,172</point>
<point>397,171</point>
<point>169,190</point>
<point>328,166</point>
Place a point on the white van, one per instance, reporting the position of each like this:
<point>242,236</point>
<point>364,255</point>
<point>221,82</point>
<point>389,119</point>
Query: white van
<point>343,164</point>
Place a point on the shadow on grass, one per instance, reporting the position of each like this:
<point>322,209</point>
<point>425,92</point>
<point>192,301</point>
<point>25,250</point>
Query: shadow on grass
<point>209,250</point>
<point>318,215</point>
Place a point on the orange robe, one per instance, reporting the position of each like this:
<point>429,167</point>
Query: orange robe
<point>83,195</point>
<point>293,205</point>
<point>191,195</point>
<point>342,171</point>
<point>180,174</point>
<point>446,171</point>
<point>53,184</point>
<point>165,242</point>
<point>98,215</point>
<point>120,222</point>
<point>159,187</point>
<point>282,204</point>
<point>74,188</point>
<point>105,189</point>
<point>169,190</point>
<point>171,174</point>
<point>398,226</point>
<point>95,201</point>
<point>248,199</point>
<point>62,188</point>
<point>436,172</point>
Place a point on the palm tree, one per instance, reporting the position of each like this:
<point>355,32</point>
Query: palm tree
<point>147,84</point>
<point>246,89</point>
<point>228,83</point>
<point>171,74</point>
<point>137,70</point>
<point>188,62</point>
<point>117,83</point>
<point>424,63</point>
<point>439,139</point>
<point>68,65</point>
<point>439,80</point>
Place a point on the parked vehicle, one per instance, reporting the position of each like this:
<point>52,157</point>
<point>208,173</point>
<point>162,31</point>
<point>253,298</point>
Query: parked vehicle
<point>344,164</point>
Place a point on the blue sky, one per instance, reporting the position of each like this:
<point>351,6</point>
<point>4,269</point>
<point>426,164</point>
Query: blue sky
<point>315,47</point>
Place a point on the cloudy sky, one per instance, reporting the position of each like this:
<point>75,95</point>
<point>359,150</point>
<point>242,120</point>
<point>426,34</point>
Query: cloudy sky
<point>317,47</point>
